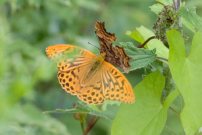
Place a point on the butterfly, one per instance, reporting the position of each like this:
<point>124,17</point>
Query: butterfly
<point>114,54</point>
<point>88,76</point>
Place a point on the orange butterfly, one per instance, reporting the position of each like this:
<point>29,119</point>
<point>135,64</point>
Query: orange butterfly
<point>88,76</point>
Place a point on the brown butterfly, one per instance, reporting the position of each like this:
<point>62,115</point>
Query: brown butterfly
<point>113,54</point>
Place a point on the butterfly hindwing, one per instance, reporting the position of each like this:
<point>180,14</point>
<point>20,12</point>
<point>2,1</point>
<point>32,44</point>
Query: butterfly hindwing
<point>92,94</point>
<point>115,85</point>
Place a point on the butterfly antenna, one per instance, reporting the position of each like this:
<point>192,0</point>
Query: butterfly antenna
<point>94,46</point>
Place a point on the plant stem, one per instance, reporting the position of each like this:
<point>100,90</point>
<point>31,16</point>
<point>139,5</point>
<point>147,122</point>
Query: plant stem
<point>90,125</point>
<point>174,111</point>
<point>161,3</point>
<point>145,42</point>
<point>163,59</point>
<point>82,126</point>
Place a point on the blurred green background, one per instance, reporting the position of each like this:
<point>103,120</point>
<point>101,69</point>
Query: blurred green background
<point>28,82</point>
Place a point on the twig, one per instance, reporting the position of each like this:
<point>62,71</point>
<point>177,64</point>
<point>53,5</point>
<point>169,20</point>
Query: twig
<point>90,125</point>
<point>145,42</point>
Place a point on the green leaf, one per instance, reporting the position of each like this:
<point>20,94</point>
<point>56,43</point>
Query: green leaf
<point>148,115</point>
<point>156,8</point>
<point>140,57</point>
<point>142,31</point>
<point>187,74</point>
<point>135,35</point>
<point>190,19</point>
<point>173,124</point>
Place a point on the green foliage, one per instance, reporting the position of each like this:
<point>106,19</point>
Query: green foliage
<point>27,76</point>
<point>142,33</point>
<point>148,112</point>
<point>190,18</point>
<point>186,70</point>
<point>93,110</point>
<point>139,57</point>
<point>30,121</point>
<point>32,102</point>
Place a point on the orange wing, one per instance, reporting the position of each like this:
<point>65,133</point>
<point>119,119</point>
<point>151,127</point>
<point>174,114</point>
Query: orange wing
<point>115,85</point>
<point>55,50</point>
<point>69,56</point>
<point>107,83</point>
<point>71,60</point>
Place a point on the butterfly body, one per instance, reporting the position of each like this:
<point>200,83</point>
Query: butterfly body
<point>89,76</point>
<point>95,67</point>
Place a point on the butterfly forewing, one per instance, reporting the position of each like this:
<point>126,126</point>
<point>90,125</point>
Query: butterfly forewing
<point>70,60</point>
<point>69,80</point>
<point>68,56</point>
